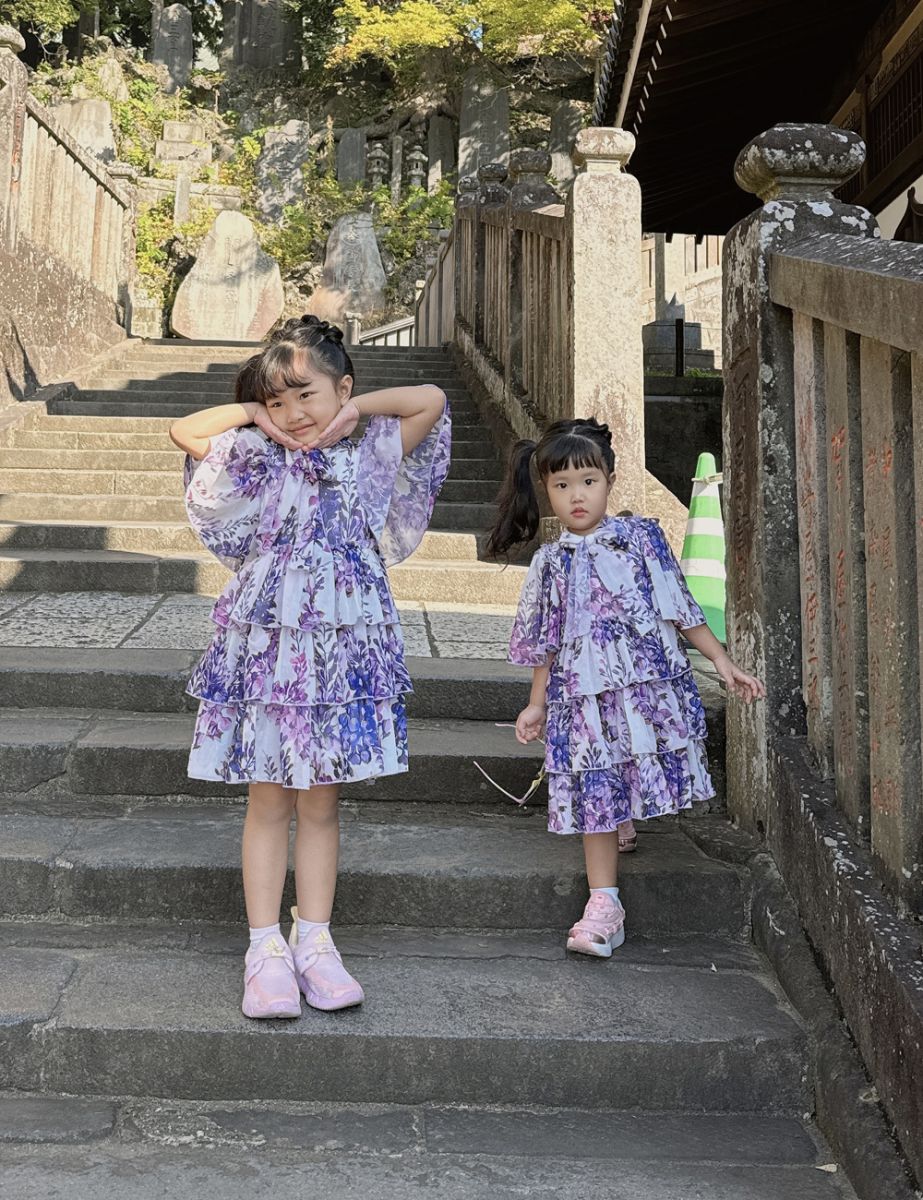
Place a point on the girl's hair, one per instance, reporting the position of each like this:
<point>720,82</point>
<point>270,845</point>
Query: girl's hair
<point>278,365</point>
<point>576,443</point>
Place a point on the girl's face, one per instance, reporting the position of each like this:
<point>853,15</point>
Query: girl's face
<point>304,411</point>
<point>578,497</point>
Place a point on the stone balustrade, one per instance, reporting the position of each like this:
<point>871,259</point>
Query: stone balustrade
<point>66,239</point>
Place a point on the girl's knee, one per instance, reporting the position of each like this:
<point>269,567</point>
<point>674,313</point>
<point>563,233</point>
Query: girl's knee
<point>268,802</point>
<point>319,804</point>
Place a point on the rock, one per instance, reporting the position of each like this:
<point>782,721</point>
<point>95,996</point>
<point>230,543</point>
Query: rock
<point>89,122</point>
<point>484,134</point>
<point>234,291</point>
<point>441,148</point>
<point>173,46</point>
<point>112,81</point>
<point>353,264</point>
<point>566,123</point>
<point>279,177</point>
<point>351,157</point>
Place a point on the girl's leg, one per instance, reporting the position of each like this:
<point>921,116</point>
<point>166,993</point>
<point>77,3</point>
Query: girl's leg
<point>601,853</point>
<point>317,851</point>
<point>321,975</point>
<point>265,851</point>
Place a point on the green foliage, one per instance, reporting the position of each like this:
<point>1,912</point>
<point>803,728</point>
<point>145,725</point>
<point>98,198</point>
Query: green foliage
<point>302,233</point>
<point>47,16</point>
<point>408,226</point>
<point>157,236</point>
<point>240,171</point>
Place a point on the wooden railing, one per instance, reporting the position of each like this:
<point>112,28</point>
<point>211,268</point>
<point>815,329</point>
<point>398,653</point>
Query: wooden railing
<point>434,316</point>
<point>857,369</point>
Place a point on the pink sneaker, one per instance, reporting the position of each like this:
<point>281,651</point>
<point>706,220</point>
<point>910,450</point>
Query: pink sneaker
<point>270,987</point>
<point>601,929</point>
<point>326,983</point>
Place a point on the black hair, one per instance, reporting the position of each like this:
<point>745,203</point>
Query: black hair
<point>276,367</point>
<point>583,442</point>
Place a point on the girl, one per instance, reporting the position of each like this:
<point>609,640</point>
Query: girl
<point>612,689</point>
<point>302,687</point>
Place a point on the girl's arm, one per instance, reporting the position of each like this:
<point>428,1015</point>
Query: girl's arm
<point>194,433</point>
<point>531,721</point>
<point>419,408</point>
<point>739,683</point>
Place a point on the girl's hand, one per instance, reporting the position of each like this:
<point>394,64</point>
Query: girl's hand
<point>262,420</point>
<point>530,723</point>
<point>340,427</point>
<point>745,687</point>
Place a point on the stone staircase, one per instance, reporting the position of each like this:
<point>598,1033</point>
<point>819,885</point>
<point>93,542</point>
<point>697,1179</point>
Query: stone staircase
<point>485,1063</point>
<point>91,490</point>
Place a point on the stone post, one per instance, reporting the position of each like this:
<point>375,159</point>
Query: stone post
<point>13,86</point>
<point>529,189</point>
<point>397,167</point>
<point>607,359</point>
<point>794,169</point>
<point>126,176</point>
<point>353,328</point>
<point>491,194</point>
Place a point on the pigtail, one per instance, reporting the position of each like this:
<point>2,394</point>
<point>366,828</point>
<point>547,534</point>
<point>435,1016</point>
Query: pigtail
<point>518,517</point>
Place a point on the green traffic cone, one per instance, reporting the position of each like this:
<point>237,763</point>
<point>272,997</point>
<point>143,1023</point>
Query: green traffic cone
<point>703,547</point>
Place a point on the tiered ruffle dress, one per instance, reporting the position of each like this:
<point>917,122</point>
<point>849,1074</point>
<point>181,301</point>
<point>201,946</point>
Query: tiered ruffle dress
<point>304,680</point>
<point>626,726</point>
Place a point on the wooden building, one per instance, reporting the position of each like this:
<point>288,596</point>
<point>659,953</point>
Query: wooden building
<point>695,80</point>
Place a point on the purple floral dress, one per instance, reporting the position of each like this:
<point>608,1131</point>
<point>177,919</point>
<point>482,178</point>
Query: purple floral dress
<point>626,726</point>
<point>304,680</point>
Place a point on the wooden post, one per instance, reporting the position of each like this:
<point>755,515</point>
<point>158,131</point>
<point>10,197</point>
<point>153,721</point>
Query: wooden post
<point>492,194</point>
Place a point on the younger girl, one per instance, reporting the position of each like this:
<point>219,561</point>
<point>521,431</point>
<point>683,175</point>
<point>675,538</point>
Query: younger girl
<point>302,687</point>
<point>612,689</point>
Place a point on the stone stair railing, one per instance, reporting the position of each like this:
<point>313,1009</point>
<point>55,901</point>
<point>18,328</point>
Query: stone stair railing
<point>823,433</point>
<point>66,238</point>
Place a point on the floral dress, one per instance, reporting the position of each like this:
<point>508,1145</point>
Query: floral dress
<point>304,680</point>
<point>626,726</point>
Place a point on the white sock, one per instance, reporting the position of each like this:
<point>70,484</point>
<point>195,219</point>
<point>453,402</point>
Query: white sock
<point>257,935</point>
<point>613,892</point>
<point>307,929</point>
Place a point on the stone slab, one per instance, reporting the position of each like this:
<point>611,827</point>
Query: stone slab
<point>31,985</point>
<point>54,1119</point>
<point>279,168</point>
<point>89,122</point>
<point>351,151</point>
<point>171,1026</point>
<point>172,45</point>
<point>484,133</point>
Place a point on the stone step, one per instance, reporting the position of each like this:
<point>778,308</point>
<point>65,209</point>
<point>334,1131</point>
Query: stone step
<point>398,868</point>
<point>177,404</point>
<point>647,1036</point>
<point>115,755</point>
<point>56,570</point>
<point>181,377</point>
<point>164,537</point>
<point>56,506</point>
<point>154,681</point>
<point>75,1146</point>
<point>53,459</point>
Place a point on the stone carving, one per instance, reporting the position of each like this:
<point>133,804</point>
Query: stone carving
<point>172,45</point>
<point>234,291</point>
<point>256,33</point>
<point>484,134</point>
<point>566,122</point>
<point>279,177</point>
<point>351,157</point>
<point>112,81</point>
<point>353,267</point>
<point>89,122</point>
<point>441,146</point>
<point>183,142</point>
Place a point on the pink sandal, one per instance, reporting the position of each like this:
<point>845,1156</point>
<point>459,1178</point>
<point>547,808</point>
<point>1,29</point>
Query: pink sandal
<point>270,986</point>
<point>628,841</point>
<point>601,929</point>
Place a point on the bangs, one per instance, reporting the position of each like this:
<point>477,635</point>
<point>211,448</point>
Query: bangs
<point>280,367</point>
<point>570,451</point>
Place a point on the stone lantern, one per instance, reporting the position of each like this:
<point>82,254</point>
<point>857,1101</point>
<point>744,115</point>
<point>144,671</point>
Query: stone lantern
<point>416,167</point>
<point>377,164</point>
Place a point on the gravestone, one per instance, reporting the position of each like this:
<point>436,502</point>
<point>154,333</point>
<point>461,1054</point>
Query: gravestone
<point>484,133</point>
<point>397,167</point>
<point>234,291</point>
<point>353,267</point>
<point>183,142</point>
<point>257,33</point>
<point>89,122</point>
<point>441,147</point>
<point>566,122</point>
<point>351,157</point>
<point>279,178</point>
<point>172,45</point>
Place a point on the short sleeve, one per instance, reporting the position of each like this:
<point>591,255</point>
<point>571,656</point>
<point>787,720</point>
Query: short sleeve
<point>398,491</point>
<point>223,493</point>
<point>537,627</point>
<point>671,594</point>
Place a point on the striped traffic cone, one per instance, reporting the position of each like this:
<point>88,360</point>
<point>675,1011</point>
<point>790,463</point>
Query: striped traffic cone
<point>703,547</point>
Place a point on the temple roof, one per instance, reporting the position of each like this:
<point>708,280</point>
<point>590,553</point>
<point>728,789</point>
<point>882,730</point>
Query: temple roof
<point>697,79</point>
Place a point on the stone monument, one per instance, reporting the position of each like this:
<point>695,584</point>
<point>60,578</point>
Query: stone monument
<point>484,134</point>
<point>234,291</point>
<point>89,122</point>
<point>172,45</point>
<point>279,168</point>
<point>351,157</point>
<point>440,139</point>
<point>566,122</point>
<point>353,267</point>
<point>257,33</point>
<point>183,142</point>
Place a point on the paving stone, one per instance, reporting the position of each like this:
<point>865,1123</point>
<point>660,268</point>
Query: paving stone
<point>495,651</point>
<point>43,1119</point>
<point>31,985</point>
<point>9,601</point>
<point>75,619</point>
